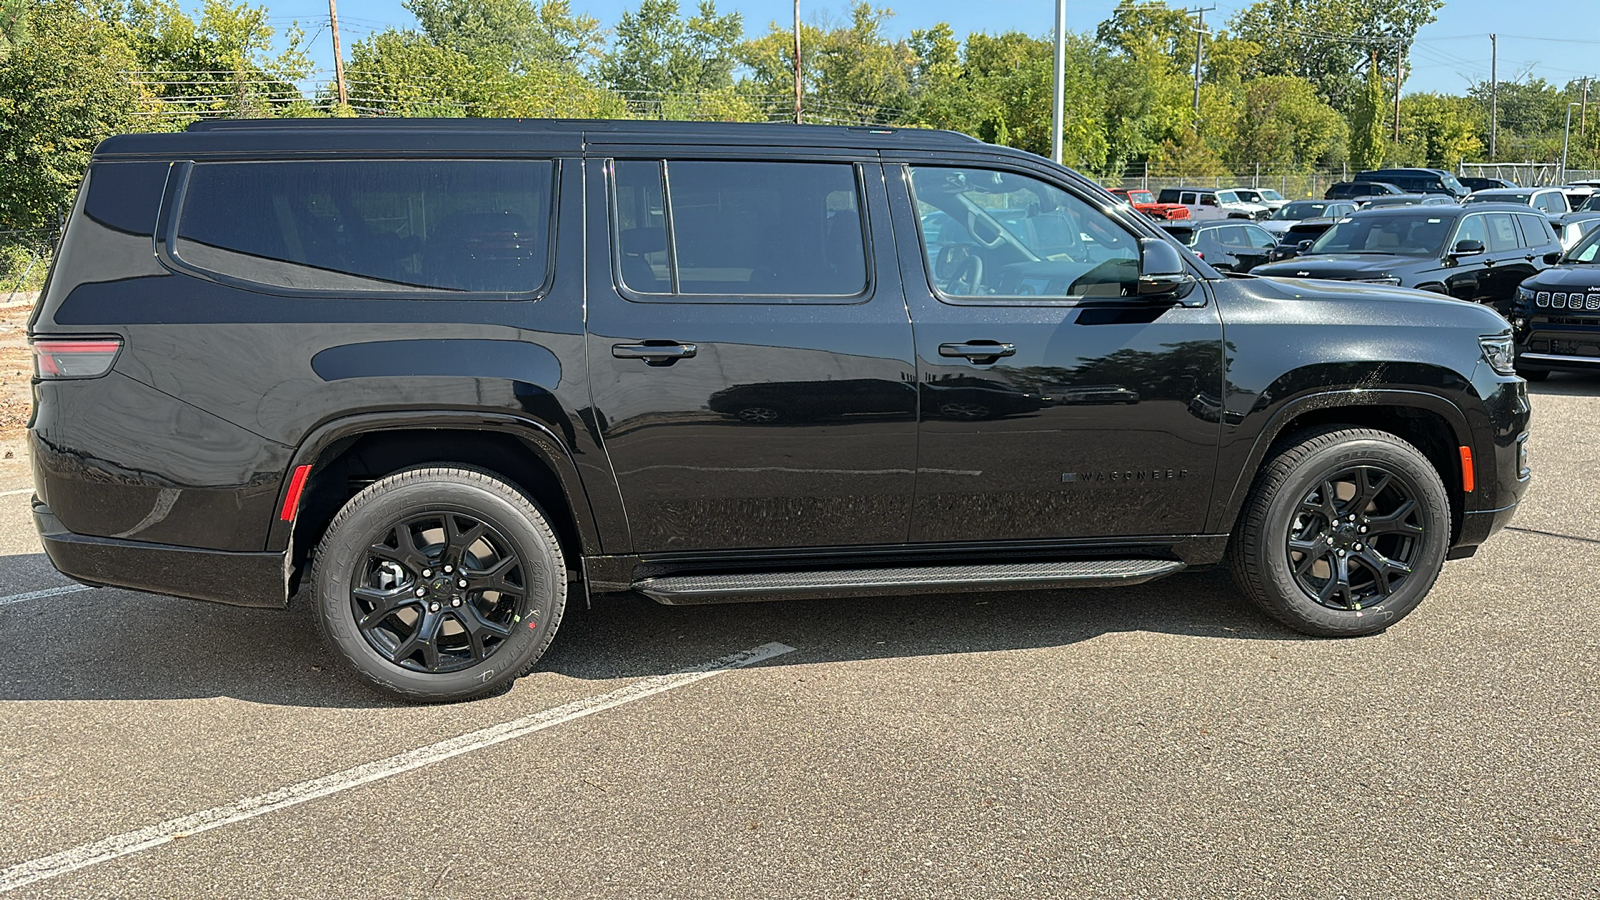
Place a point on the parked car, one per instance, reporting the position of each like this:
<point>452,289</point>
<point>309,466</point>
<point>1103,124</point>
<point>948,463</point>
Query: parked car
<point>1144,201</point>
<point>1359,190</point>
<point>1299,210</point>
<point>1204,203</point>
<point>1577,194</point>
<point>1478,253</point>
<point>433,379</point>
<point>1388,200</point>
<point>1228,246</point>
<point>1299,238</point>
<point>1574,227</point>
<point>1550,201</point>
<point>1267,197</point>
<point>1555,318</point>
<point>1418,181</point>
<point>1480,184</point>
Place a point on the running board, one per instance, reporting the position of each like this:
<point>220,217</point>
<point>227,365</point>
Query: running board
<point>685,590</point>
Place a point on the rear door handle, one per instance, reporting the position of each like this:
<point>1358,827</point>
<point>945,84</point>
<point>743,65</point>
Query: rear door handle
<point>655,353</point>
<point>978,351</point>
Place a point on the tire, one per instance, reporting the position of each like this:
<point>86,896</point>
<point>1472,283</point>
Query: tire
<point>450,643</point>
<point>1295,535</point>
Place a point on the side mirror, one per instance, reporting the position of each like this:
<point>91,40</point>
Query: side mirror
<point>1303,246</point>
<point>1162,272</point>
<point>1551,259</point>
<point>1467,248</point>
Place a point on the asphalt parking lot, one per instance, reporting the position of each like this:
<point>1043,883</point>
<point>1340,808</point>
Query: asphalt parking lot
<point>1158,741</point>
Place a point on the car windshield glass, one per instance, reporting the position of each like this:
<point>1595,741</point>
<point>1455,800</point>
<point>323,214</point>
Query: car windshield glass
<point>1451,182</point>
<point>1482,197</point>
<point>1402,235</point>
<point>1592,204</point>
<point>1248,195</point>
<point>1302,209</point>
<point>1586,251</point>
<point>1141,197</point>
<point>1270,194</point>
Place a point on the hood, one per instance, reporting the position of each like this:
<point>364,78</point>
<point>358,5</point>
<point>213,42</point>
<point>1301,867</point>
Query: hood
<point>1566,278</point>
<point>1337,266</point>
<point>1374,304</point>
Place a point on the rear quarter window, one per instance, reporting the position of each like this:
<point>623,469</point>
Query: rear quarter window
<point>369,227</point>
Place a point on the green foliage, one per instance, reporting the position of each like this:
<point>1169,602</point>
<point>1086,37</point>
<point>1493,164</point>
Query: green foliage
<point>514,35</point>
<point>1440,131</point>
<point>1330,42</point>
<point>655,50</point>
<point>1368,132</point>
<point>15,24</point>
<point>1283,125</point>
<point>61,92</point>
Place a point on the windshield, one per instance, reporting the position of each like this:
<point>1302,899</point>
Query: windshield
<point>1302,209</point>
<point>1485,197</point>
<point>1248,195</point>
<point>1402,235</point>
<point>1141,197</point>
<point>1452,183</point>
<point>1586,251</point>
<point>1270,194</point>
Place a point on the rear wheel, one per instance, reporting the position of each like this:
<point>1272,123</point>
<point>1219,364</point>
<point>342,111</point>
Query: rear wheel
<point>1344,533</point>
<point>440,584</point>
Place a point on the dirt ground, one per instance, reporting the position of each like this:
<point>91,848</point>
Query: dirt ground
<point>16,397</point>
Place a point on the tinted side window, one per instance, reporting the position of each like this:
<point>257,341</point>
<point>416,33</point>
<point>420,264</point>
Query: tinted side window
<point>371,226</point>
<point>1024,238</point>
<point>1472,230</point>
<point>740,228</point>
<point>1536,230</point>
<point>1502,232</point>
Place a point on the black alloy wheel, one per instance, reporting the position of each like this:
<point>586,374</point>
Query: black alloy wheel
<point>440,584</point>
<point>1343,533</point>
<point>440,592</point>
<point>1355,538</point>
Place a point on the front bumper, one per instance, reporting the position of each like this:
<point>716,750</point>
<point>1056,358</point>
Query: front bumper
<point>237,579</point>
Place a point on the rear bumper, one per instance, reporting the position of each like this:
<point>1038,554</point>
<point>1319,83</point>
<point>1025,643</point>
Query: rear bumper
<point>237,579</point>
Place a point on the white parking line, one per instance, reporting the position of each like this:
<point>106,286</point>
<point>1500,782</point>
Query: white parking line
<point>131,842</point>
<point>47,592</point>
<point>27,490</point>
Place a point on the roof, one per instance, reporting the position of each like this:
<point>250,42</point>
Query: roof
<point>232,136</point>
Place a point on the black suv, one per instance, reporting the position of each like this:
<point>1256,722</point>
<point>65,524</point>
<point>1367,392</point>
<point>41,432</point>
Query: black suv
<point>1556,316</point>
<point>433,377</point>
<point>1418,181</point>
<point>1478,253</point>
<point>1356,190</point>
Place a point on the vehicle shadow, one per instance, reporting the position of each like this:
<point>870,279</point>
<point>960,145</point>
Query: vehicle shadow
<point>1571,384</point>
<point>122,645</point>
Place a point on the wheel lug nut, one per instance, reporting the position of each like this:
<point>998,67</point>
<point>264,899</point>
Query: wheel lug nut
<point>447,570</point>
<point>433,607</point>
<point>456,602</point>
<point>462,583</point>
<point>422,592</point>
<point>427,573</point>
<point>1341,552</point>
<point>1358,548</point>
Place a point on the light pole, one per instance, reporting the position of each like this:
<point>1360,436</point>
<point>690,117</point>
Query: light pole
<point>1058,115</point>
<point>1566,136</point>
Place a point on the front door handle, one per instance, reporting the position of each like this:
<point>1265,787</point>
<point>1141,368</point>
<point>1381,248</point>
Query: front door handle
<point>979,351</point>
<point>655,353</point>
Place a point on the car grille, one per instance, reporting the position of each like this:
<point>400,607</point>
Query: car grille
<point>1573,300</point>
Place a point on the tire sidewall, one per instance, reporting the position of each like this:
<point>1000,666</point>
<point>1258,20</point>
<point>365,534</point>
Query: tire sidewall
<point>370,519</point>
<point>1416,475</point>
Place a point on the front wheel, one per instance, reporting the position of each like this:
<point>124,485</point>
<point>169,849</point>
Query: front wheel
<point>1343,534</point>
<point>440,584</point>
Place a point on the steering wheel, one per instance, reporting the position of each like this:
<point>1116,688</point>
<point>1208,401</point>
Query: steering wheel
<point>973,221</point>
<point>966,278</point>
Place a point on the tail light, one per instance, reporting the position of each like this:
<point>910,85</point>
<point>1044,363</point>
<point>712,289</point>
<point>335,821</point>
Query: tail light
<point>55,359</point>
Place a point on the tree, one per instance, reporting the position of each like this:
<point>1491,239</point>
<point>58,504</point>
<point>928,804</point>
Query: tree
<point>15,27</point>
<point>1439,130</point>
<point>657,52</point>
<point>852,74</point>
<point>60,93</point>
<point>514,35</point>
<point>1284,125</point>
<point>1369,137</point>
<point>1330,42</point>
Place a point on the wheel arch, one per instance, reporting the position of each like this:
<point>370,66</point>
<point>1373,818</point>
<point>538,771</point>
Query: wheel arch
<point>1432,424</point>
<point>347,454</point>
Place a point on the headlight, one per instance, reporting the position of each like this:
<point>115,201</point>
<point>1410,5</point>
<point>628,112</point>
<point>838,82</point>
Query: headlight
<point>1498,354</point>
<point>1383,279</point>
<point>1524,295</point>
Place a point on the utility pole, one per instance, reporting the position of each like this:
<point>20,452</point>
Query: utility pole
<point>1199,51</point>
<point>338,59</point>
<point>1583,111</point>
<point>797,118</point>
<point>1398,55</point>
<point>1058,115</point>
<point>1494,94</point>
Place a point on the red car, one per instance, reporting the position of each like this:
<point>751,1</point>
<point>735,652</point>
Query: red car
<point>1145,202</point>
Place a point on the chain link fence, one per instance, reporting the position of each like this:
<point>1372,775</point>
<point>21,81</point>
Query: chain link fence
<point>24,259</point>
<point>1294,185</point>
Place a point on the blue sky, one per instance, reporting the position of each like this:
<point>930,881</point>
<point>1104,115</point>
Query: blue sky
<point>1550,39</point>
